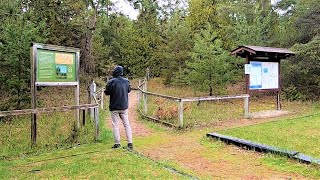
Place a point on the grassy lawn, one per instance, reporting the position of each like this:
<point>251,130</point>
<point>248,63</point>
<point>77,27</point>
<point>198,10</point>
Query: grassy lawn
<point>97,161</point>
<point>300,134</point>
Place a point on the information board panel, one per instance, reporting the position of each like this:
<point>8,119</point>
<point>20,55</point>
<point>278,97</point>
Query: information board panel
<point>264,75</point>
<point>55,66</point>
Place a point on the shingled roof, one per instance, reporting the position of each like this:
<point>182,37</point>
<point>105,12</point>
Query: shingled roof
<point>259,51</point>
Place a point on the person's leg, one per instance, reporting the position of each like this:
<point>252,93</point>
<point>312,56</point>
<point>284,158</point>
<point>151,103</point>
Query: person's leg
<point>115,127</point>
<point>124,117</point>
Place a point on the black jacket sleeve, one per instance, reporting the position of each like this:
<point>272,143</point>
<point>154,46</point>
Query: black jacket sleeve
<point>108,88</point>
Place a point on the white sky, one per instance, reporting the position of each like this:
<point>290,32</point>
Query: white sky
<point>124,7</point>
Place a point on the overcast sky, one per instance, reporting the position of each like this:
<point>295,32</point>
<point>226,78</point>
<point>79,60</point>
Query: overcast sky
<point>124,7</point>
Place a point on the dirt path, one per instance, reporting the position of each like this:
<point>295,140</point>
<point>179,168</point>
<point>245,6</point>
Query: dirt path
<point>138,129</point>
<point>187,150</point>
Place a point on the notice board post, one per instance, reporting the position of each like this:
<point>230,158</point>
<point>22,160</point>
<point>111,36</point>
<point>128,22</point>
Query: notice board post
<point>262,68</point>
<point>53,66</point>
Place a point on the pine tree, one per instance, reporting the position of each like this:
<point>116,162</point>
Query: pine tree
<point>210,68</point>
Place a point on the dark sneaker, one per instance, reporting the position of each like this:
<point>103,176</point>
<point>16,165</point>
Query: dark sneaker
<point>130,147</point>
<point>115,146</point>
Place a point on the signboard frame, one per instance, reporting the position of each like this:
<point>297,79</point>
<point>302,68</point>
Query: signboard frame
<point>250,59</point>
<point>35,82</point>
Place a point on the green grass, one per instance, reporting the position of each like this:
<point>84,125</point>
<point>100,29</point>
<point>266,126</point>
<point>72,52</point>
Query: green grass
<point>219,149</point>
<point>284,164</point>
<point>96,161</point>
<point>300,134</point>
<point>54,130</point>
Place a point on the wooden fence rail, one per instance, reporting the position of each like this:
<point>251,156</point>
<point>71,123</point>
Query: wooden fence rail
<point>143,93</point>
<point>55,109</point>
<point>46,110</point>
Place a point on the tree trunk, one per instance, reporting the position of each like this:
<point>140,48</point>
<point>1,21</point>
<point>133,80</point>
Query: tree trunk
<point>87,61</point>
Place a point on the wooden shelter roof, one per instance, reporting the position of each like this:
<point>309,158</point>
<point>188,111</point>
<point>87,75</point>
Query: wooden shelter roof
<point>258,51</point>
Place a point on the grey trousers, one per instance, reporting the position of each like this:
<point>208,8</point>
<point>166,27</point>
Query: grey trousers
<point>123,115</point>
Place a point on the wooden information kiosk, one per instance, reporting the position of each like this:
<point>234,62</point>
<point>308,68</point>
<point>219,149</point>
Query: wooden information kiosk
<point>262,68</point>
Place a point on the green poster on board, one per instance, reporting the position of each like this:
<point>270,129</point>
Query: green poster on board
<point>55,66</point>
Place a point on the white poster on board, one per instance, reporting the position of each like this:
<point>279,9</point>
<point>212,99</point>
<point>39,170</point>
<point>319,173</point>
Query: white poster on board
<point>264,75</point>
<point>270,75</point>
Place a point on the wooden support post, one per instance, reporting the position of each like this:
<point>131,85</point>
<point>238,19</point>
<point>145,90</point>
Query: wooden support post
<point>145,105</point>
<point>180,114</point>
<point>102,99</point>
<point>147,73</point>
<point>33,54</point>
<point>145,98</point>
<point>93,88</point>
<point>83,117</point>
<point>246,107</point>
<point>96,123</point>
<point>139,92</point>
<point>247,100</point>
<point>278,101</point>
<point>77,98</point>
<point>279,87</point>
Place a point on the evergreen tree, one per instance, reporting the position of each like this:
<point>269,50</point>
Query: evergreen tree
<point>210,68</point>
<point>16,35</point>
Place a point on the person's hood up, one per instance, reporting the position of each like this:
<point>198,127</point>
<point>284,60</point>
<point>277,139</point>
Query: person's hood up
<point>118,71</point>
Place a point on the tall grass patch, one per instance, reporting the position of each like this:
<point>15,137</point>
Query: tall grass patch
<point>54,130</point>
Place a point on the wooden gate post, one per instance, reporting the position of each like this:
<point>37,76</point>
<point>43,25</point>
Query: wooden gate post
<point>180,113</point>
<point>33,55</point>
<point>93,88</point>
<point>102,99</point>
<point>96,123</point>
<point>246,107</point>
<point>139,92</point>
<point>145,98</point>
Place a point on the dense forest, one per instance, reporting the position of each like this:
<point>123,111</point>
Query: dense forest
<point>185,43</point>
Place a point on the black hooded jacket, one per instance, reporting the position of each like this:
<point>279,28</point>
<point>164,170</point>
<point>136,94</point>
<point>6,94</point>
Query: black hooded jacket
<point>118,88</point>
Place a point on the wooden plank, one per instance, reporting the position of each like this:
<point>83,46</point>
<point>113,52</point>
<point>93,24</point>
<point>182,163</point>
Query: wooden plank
<point>157,120</point>
<point>56,48</point>
<point>210,98</point>
<point>264,148</point>
<point>46,110</point>
<point>57,83</point>
<point>252,145</point>
<point>160,95</point>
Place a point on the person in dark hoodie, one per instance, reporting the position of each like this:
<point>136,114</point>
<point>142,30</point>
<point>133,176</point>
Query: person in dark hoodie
<point>118,88</point>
